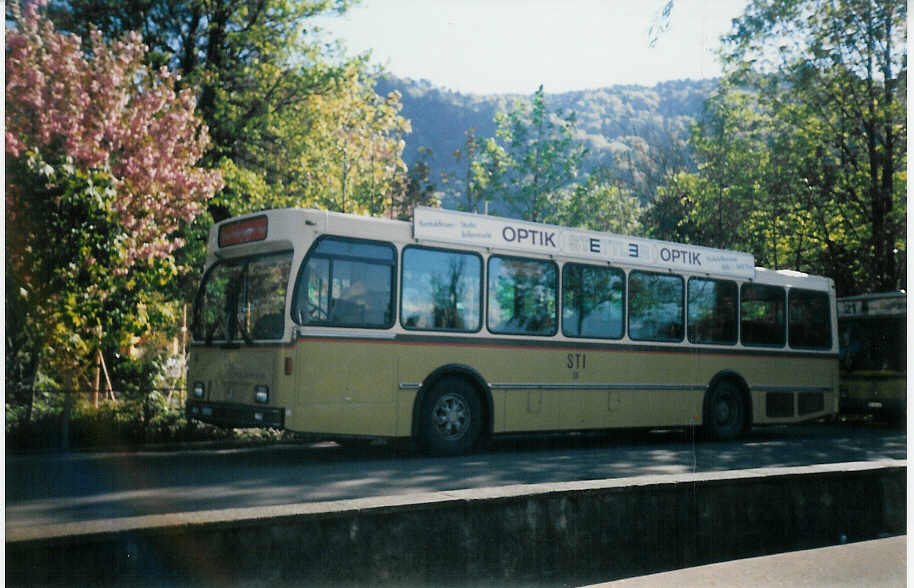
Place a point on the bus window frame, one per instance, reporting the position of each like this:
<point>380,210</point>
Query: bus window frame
<point>393,308</point>
<point>561,305</point>
<point>786,319</point>
<point>556,289</point>
<point>688,338</point>
<point>828,320</point>
<point>682,306</point>
<point>482,288</point>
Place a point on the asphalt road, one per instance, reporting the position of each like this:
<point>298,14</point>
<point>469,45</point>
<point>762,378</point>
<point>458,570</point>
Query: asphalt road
<point>61,488</point>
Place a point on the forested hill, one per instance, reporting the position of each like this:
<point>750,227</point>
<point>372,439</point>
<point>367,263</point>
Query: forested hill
<point>639,131</point>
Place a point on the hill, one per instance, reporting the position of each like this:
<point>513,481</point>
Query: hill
<point>639,132</point>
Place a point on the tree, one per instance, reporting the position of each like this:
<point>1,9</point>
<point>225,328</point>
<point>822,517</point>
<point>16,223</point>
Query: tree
<point>488,176</point>
<point>600,205</point>
<point>533,156</point>
<point>750,193</point>
<point>414,188</point>
<point>350,158</point>
<point>834,88</point>
<point>470,200</point>
<point>101,156</point>
<point>275,96</point>
<point>656,149</point>
<point>293,122</point>
<point>801,153</point>
<point>731,145</point>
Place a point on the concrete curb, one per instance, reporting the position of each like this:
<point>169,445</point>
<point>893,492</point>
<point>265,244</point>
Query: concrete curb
<point>527,534</point>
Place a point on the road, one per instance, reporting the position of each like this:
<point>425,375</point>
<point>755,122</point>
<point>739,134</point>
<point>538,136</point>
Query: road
<point>60,488</point>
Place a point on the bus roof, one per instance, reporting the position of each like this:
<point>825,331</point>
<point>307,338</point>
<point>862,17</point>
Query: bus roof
<point>440,226</point>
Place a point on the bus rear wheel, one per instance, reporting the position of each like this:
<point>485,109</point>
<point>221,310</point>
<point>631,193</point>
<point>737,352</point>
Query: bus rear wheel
<point>725,411</point>
<point>451,418</point>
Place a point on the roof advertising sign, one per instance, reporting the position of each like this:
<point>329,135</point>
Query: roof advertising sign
<point>447,226</point>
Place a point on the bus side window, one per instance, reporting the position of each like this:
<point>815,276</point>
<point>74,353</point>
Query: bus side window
<point>522,296</point>
<point>762,315</point>
<point>593,300</point>
<point>347,283</point>
<point>809,321</point>
<point>713,311</point>
<point>441,291</point>
<point>655,306</point>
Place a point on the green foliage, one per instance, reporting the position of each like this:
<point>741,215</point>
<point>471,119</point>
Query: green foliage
<point>661,23</point>
<point>154,418</point>
<point>801,153</point>
<point>531,158</point>
<point>349,159</point>
<point>487,178</point>
<point>65,298</point>
<point>599,204</point>
<point>528,170</point>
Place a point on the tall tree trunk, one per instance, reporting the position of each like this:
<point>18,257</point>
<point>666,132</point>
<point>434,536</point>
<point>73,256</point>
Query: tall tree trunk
<point>889,270</point>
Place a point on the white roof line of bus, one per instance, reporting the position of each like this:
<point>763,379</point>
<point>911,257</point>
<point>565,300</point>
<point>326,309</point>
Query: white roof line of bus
<point>783,273</point>
<point>375,219</point>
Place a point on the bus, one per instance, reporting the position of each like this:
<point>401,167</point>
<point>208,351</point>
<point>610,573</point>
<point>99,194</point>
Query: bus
<point>873,355</point>
<point>458,327</point>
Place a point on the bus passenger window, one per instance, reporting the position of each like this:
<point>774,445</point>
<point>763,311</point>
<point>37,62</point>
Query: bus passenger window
<point>442,290</point>
<point>655,306</point>
<point>348,283</point>
<point>809,320</point>
<point>592,301</point>
<point>522,296</point>
<point>762,315</point>
<point>713,311</point>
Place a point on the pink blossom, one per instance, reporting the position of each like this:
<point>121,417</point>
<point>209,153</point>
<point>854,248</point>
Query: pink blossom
<point>107,111</point>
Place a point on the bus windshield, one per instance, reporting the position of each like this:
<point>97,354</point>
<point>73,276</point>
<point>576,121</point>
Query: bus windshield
<point>872,344</point>
<point>243,298</point>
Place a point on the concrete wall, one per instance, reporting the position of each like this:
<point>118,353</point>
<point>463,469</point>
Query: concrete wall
<point>545,534</point>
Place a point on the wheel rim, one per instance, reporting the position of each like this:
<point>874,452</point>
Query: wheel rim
<point>451,416</point>
<point>726,410</point>
<point>723,411</point>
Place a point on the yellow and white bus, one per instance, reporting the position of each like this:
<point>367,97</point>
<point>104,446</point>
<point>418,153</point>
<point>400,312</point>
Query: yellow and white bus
<point>457,327</point>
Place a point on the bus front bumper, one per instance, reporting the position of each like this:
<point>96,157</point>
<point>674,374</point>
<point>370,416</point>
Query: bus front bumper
<point>239,416</point>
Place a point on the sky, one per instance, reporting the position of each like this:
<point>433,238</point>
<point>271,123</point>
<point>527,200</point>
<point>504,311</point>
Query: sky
<point>513,46</point>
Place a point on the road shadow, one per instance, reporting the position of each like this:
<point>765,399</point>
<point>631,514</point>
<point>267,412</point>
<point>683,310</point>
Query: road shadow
<point>64,488</point>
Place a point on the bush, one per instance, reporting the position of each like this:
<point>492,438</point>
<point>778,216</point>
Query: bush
<point>135,420</point>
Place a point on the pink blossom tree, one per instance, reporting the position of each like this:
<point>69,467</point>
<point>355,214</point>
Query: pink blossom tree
<point>101,160</point>
<point>106,111</point>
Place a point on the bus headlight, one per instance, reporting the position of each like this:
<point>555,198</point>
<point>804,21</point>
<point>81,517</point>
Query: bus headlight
<point>199,390</point>
<point>261,394</point>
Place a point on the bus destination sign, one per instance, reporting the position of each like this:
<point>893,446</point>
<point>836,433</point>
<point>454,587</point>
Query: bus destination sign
<point>872,306</point>
<point>447,226</point>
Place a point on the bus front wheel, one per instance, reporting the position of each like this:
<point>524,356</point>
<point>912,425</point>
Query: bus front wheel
<point>451,418</point>
<point>725,411</point>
